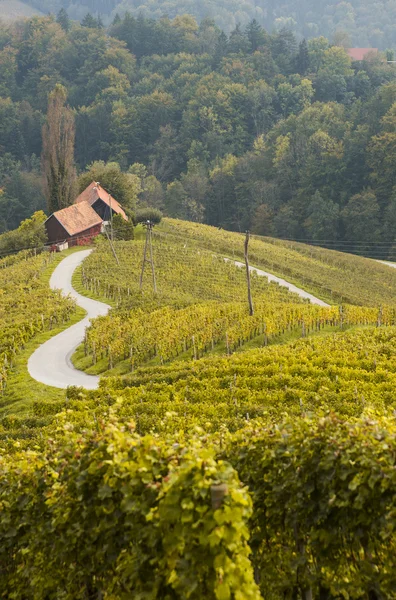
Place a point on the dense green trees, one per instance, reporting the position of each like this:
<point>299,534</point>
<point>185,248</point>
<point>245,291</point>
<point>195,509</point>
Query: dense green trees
<point>357,22</point>
<point>30,234</point>
<point>246,130</point>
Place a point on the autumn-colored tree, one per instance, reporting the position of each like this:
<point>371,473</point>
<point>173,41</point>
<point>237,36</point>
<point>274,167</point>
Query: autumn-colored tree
<point>57,159</point>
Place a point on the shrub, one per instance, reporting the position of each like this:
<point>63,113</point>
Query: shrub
<point>148,214</point>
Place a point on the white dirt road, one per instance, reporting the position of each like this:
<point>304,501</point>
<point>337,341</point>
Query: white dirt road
<point>50,363</point>
<point>389,264</point>
<point>283,283</point>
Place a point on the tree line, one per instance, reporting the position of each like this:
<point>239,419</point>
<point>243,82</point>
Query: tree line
<point>367,24</point>
<point>247,130</point>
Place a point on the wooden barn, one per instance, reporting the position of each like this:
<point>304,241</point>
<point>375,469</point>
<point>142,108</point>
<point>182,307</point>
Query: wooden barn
<point>359,54</point>
<point>101,201</point>
<point>77,225</point>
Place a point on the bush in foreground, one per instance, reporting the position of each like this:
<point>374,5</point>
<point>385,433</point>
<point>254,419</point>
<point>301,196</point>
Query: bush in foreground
<point>110,514</point>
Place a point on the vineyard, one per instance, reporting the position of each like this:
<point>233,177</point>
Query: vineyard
<point>185,274</point>
<point>27,306</point>
<point>114,514</point>
<point>350,373</point>
<point>224,456</point>
<point>335,276</point>
<point>199,307</point>
<point>168,333</point>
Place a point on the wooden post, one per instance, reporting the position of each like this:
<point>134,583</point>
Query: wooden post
<point>144,257</point>
<point>148,245</point>
<point>379,319</point>
<point>251,310</point>
<point>111,220</point>
<point>152,258</point>
<point>112,247</point>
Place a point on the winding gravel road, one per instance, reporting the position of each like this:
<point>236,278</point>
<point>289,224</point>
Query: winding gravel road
<point>283,283</point>
<point>50,363</point>
<point>389,264</point>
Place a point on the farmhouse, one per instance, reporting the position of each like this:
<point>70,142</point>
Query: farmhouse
<point>79,223</point>
<point>361,53</point>
<point>101,201</point>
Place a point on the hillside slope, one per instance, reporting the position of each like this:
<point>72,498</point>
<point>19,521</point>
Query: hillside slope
<point>10,10</point>
<point>334,276</point>
<point>148,485</point>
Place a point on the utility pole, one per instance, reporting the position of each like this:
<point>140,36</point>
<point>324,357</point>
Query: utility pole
<point>152,258</point>
<point>112,247</point>
<point>111,220</point>
<point>251,310</point>
<point>148,245</point>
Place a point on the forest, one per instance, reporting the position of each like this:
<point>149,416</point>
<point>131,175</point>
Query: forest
<point>369,24</point>
<point>242,130</point>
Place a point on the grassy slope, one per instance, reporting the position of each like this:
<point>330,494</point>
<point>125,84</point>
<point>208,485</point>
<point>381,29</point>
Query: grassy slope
<point>330,275</point>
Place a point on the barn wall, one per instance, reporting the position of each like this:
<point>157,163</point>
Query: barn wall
<point>55,231</point>
<point>85,238</point>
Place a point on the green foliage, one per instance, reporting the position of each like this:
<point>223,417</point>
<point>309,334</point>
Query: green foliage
<point>154,215</point>
<point>114,513</point>
<point>356,23</point>
<point>57,159</point>
<point>63,19</point>
<point>21,192</point>
<point>267,473</point>
<point>347,372</point>
<point>185,272</point>
<point>159,518</point>
<point>168,333</point>
<point>222,124</point>
<point>321,490</point>
<point>361,217</point>
<point>124,230</point>
<point>124,187</point>
<point>323,219</point>
<point>30,234</point>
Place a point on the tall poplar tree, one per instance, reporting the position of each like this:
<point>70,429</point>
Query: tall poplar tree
<point>57,160</point>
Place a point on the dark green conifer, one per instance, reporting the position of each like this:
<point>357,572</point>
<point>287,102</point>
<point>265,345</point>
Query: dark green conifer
<point>302,61</point>
<point>89,21</point>
<point>63,19</point>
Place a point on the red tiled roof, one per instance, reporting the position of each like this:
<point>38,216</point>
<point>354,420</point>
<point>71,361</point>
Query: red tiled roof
<point>360,53</point>
<point>77,218</point>
<point>95,192</point>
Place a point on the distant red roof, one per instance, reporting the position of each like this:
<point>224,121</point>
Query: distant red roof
<point>95,192</point>
<point>360,53</point>
<point>77,218</point>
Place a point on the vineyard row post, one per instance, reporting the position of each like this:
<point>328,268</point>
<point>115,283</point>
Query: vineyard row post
<point>112,246</point>
<point>148,245</point>
<point>249,290</point>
